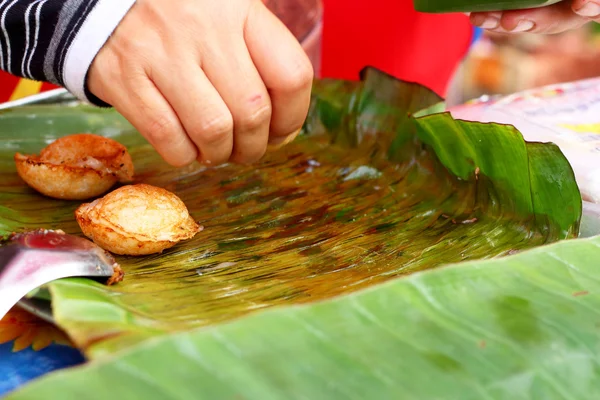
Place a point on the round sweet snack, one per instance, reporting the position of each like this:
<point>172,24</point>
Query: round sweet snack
<point>137,220</point>
<point>76,167</point>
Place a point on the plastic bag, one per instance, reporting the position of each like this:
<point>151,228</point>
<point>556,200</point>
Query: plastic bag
<point>565,114</point>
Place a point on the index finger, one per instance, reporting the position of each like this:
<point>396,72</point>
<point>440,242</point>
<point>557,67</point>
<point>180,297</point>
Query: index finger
<point>284,68</point>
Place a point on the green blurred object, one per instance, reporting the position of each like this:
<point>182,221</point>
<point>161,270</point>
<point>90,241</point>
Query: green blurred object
<point>445,6</point>
<point>367,195</point>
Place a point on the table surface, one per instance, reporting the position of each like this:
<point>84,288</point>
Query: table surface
<point>30,348</point>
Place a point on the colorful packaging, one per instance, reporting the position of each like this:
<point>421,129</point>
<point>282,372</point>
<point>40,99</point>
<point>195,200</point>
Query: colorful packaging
<point>565,114</point>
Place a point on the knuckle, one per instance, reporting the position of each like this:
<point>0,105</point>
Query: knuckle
<point>299,77</point>
<point>160,129</point>
<point>257,118</point>
<point>216,130</point>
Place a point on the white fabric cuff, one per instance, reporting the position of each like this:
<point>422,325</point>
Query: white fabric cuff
<point>93,34</point>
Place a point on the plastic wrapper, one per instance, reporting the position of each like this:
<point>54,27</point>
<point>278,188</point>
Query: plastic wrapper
<point>565,114</point>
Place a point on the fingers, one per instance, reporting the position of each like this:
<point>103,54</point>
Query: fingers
<point>286,72</point>
<point>136,97</point>
<point>200,108</point>
<point>547,20</point>
<point>235,77</point>
<point>149,112</point>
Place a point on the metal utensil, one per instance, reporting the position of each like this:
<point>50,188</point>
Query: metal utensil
<point>35,258</point>
<point>50,97</point>
<point>41,308</point>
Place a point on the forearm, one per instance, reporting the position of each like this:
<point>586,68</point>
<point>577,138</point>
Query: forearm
<point>56,40</point>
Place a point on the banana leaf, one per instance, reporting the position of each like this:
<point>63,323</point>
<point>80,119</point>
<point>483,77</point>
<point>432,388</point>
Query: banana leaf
<point>445,6</point>
<point>368,194</point>
<point>523,327</point>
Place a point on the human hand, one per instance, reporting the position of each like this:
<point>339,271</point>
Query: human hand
<point>210,80</point>
<point>556,18</point>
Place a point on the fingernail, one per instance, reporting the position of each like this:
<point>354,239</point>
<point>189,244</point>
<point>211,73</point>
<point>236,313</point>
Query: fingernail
<point>523,26</point>
<point>487,22</point>
<point>490,23</point>
<point>276,143</point>
<point>589,10</point>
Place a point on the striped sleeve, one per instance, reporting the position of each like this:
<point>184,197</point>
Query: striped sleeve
<point>57,40</point>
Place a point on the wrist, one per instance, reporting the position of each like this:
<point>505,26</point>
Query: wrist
<point>91,37</point>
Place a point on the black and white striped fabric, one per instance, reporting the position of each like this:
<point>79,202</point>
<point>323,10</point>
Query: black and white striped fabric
<point>56,40</point>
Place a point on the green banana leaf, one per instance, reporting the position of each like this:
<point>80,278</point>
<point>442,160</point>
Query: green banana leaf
<point>445,6</point>
<point>523,327</point>
<point>367,195</point>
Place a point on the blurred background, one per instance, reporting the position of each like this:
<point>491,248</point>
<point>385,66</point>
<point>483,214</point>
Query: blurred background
<point>441,51</point>
<point>503,64</point>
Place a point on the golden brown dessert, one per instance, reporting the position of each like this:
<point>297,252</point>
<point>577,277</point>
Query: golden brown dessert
<point>117,276</point>
<point>137,220</point>
<point>76,167</point>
